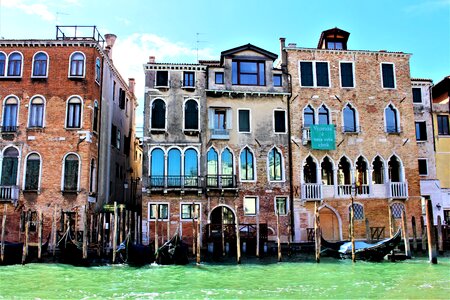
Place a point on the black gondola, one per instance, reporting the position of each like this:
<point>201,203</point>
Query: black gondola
<point>135,254</point>
<point>71,251</point>
<point>363,251</point>
<point>13,253</point>
<point>174,251</point>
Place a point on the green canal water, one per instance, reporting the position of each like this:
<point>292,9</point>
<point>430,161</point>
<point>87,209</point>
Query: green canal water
<point>413,279</point>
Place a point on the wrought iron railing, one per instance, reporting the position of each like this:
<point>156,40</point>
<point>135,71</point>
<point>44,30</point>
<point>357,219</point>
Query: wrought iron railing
<point>221,181</point>
<point>8,128</point>
<point>175,181</point>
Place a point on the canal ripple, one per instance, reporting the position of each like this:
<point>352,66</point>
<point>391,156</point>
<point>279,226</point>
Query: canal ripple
<point>413,279</point>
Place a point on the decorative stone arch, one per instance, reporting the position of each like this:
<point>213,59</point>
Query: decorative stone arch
<point>225,206</point>
<point>351,105</point>
<point>337,228</point>
<point>314,114</point>
<point>283,171</point>
<point>397,117</point>
<point>254,164</point>
<point>47,64</point>
<point>44,108</point>
<point>151,112</point>
<point>63,170</point>
<point>324,105</point>
<point>316,161</point>
<point>401,170</point>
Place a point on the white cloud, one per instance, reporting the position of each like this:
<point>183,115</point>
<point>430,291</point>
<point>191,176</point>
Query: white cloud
<point>132,52</point>
<point>30,8</point>
<point>427,6</point>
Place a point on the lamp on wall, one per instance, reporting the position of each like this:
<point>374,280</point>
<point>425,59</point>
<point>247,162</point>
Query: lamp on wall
<point>438,206</point>
<point>125,185</point>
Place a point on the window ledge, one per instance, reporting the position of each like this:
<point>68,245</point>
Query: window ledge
<point>37,78</point>
<point>188,87</point>
<point>191,131</point>
<point>157,130</point>
<point>162,86</point>
<point>11,77</point>
<point>351,132</point>
<point>76,77</point>
<point>445,136</point>
<point>32,191</point>
<point>70,191</point>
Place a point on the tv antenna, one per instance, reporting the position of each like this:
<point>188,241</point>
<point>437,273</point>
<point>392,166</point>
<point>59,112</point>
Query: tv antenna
<point>58,13</point>
<point>198,41</point>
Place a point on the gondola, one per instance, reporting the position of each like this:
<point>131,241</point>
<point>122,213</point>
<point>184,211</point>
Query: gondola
<point>363,251</point>
<point>173,252</point>
<point>13,253</point>
<point>135,254</point>
<point>71,251</point>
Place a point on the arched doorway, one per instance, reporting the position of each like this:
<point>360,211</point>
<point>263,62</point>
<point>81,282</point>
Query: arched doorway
<point>221,215</point>
<point>329,224</point>
<point>221,230</point>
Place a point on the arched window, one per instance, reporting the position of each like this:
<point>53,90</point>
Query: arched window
<point>174,167</point>
<point>77,64</point>
<point>36,112</point>
<point>247,165</point>
<point>397,209</point>
<point>349,115</point>
<point>358,211</point>
<point>10,165</point>
<point>97,70</point>
<point>227,168</point>
<point>212,167</point>
<point>391,118</point>
<point>40,64</point>
<point>32,177</point>
<point>327,171</point>
<point>344,174</point>
<point>10,111</point>
<point>15,64</point>
<point>362,176</point>
<point>378,171</point>
<point>95,117</point>
<point>190,168</point>
<point>92,177</point>
<point>191,115</point>
<point>74,113</point>
<point>310,171</point>
<point>157,168</point>
<point>71,167</point>
<point>158,114</point>
<point>308,116</point>
<point>2,64</point>
<point>395,169</point>
<point>275,165</point>
<point>324,117</point>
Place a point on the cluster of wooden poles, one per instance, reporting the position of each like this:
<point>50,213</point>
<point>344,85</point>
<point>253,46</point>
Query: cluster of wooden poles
<point>428,235</point>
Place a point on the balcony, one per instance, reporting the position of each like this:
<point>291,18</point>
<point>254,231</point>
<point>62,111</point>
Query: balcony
<point>220,134</point>
<point>398,190</point>
<point>311,191</point>
<point>9,193</point>
<point>221,182</point>
<point>344,190</point>
<point>175,182</point>
<point>8,129</point>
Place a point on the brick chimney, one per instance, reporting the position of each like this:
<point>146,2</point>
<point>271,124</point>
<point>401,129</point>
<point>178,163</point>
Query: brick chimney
<point>110,40</point>
<point>131,84</point>
<point>151,59</point>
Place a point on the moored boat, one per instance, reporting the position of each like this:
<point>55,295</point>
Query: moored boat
<point>173,252</point>
<point>12,253</point>
<point>135,254</point>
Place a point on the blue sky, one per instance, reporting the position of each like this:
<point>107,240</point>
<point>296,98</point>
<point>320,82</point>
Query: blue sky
<point>168,28</point>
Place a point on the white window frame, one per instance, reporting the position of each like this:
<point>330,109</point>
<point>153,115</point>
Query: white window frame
<point>70,65</point>
<point>25,170</point>
<point>285,121</point>
<point>283,179</point>
<point>393,74</point>
<point>19,160</point>
<point>43,112</point>
<point>303,115</point>
<point>7,65</point>
<point>195,80</point>
<point>314,74</point>
<point>168,79</point>
<point>98,78</point>
<point>275,204</point>
<point>426,162</point>
<point>358,128</point>
<point>421,95</point>
<point>18,108</point>
<point>397,115</point>
<point>330,121</point>
<point>81,113</point>
<point>249,120</point>
<point>254,165</point>
<point>165,115</point>
<point>256,205</point>
<point>353,74</point>
<point>199,119</point>
<point>63,170</point>
<point>426,131</point>
<point>32,66</point>
<point>190,203</point>
<point>159,219</point>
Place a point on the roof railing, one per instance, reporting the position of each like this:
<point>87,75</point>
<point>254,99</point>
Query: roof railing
<point>80,33</point>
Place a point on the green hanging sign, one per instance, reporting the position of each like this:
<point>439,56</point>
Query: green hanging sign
<point>323,137</point>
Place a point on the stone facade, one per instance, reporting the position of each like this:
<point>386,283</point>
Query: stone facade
<point>322,96</point>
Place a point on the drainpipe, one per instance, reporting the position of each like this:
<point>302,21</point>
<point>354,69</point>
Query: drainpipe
<point>430,90</point>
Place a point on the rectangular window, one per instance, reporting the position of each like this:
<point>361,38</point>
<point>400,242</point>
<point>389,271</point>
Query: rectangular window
<point>160,211</point>
<point>248,73</point>
<point>442,121</point>
<point>387,72</point>
<point>189,79</point>
<point>250,206</point>
<point>314,74</point>
<point>423,167</point>
<point>122,96</point>
<point>220,119</point>
<point>162,78</point>
<point>277,80</point>
<point>113,135</point>
<point>347,74</point>
<point>244,120</point>
<point>118,139</point>
<point>219,78</point>
<point>280,121</point>
<point>421,131</point>
<point>281,206</point>
<point>417,95</point>
<point>74,115</point>
<point>447,216</point>
<point>189,211</point>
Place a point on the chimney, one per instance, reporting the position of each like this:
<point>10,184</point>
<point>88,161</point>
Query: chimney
<point>110,40</point>
<point>283,54</point>
<point>151,59</point>
<point>131,84</point>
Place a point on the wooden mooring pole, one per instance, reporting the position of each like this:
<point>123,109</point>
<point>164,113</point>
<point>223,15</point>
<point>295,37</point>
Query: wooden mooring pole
<point>194,231</point>
<point>278,235</point>
<point>352,230</point>
<point>405,235</point>
<point>440,237</point>
<point>40,221</point>
<point>156,214</point>
<point>368,237</point>
<point>432,253</point>
<point>238,238</point>
<point>85,232</point>
<point>114,243</point>
<point>317,232</point>
<point>54,231</point>
<point>5,210</point>
<point>391,222</point>
<point>424,234</point>
<point>198,234</point>
<point>99,233</point>
<point>27,230</point>
<point>257,234</point>
<point>414,229</point>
